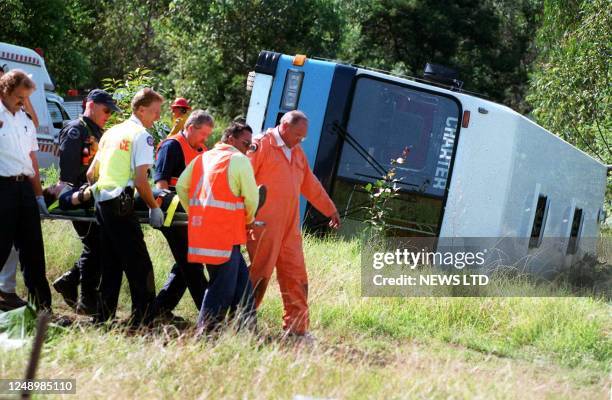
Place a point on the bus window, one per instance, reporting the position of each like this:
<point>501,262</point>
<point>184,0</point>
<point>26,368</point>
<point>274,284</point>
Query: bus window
<point>391,121</point>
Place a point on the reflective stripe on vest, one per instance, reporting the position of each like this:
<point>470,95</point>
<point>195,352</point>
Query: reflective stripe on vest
<point>210,201</point>
<point>209,252</point>
<point>115,155</point>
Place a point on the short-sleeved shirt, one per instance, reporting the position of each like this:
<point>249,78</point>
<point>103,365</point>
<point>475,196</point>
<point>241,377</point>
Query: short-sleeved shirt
<point>142,154</point>
<point>72,141</point>
<point>170,161</point>
<point>17,141</point>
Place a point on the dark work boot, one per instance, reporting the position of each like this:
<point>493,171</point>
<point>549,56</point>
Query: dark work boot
<point>87,305</point>
<point>10,301</point>
<point>67,285</point>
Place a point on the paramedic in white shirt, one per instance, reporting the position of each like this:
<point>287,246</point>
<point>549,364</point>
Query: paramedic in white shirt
<point>21,200</point>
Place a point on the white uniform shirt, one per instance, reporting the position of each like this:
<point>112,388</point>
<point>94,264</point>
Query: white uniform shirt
<point>142,154</point>
<point>281,143</point>
<point>17,140</point>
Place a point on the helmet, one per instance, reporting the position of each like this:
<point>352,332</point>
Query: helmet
<point>180,102</point>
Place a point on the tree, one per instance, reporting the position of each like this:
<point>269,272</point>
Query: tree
<point>124,37</point>
<point>486,41</point>
<point>213,45</point>
<point>571,88</point>
<point>54,26</point>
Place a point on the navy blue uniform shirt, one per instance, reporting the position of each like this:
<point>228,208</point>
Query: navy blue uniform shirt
<point>72,139</point>
<point>170,161</point>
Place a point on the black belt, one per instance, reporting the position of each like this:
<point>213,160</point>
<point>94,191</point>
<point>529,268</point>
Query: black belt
<point>18,178</point>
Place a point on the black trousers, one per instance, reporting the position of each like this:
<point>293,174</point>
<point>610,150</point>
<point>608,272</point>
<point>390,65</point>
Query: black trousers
<point>89,262</point>
<point>183,274</point>
<point>20,225</point>
<point>122,249</point>
<point>86,269</point>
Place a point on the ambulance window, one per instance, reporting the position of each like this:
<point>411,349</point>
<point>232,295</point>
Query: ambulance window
<point>539,222</point>
<point>392,121</point>
<point>574,238</point>
<point>57,116</point>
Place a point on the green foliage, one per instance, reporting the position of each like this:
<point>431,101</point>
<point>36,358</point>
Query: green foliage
<point>570,87</point>
<point>213,45</point>
<point>21,323</point>
<point>18,323</point>
<point>203,50</point>
<point>378,210</point>
<point>123,90</point>
<point>379,194</point>
<point>55,26</point>
<point>486,41</point>
<point>49,176</point>
<point>125,37</point>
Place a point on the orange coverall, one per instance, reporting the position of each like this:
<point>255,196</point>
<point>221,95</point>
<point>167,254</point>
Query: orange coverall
<point>279,242</point>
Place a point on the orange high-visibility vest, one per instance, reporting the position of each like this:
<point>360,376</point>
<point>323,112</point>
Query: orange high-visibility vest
<point>189,153</point>
<point>217,217</point>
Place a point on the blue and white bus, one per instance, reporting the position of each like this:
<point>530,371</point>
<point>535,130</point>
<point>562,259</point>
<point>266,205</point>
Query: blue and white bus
<point>472,168</point>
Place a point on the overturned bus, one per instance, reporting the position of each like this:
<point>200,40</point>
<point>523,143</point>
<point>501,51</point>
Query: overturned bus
<point>472,168</point>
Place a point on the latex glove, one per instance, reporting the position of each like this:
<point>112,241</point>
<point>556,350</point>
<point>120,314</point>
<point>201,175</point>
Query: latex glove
<point>42,207</point>
<point>156,217</point>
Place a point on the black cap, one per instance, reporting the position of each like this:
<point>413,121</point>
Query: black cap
<point>102,97</point>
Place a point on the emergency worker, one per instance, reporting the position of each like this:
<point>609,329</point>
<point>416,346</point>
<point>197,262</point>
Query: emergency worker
<point>218,189</point>
<point>27,103</point>
<point>174,154</point>
<point>8,277</point>
<point>280,164</point>
<point>78,142</point>
<point>21,202</point>
<point>124,157</point>
<point>180,109</point>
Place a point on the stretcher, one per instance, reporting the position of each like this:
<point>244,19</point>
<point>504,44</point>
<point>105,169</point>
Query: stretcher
<point>174,215</point>
<point>179,218</point>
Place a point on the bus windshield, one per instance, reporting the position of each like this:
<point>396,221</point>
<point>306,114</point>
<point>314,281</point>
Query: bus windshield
<point>391,121</point>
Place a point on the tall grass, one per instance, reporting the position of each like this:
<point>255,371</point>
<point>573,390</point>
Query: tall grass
<point>366,348</point>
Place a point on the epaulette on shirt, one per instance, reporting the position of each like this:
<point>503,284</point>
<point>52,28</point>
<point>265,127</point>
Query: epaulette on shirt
<point>75,129</point>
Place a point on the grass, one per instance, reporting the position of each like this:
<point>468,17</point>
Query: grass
<point>556,347</point>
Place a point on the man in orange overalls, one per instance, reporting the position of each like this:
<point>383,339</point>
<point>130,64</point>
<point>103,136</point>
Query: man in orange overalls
<point>279,163</point>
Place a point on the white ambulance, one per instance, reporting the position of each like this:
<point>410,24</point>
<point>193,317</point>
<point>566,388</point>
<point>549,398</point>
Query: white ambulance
<point>47,104</point>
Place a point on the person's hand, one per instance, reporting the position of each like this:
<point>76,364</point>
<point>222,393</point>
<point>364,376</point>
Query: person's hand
<point>334,220</point>
<point>156,217</point>
<point>42,207</point>
<point>255,224</point>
